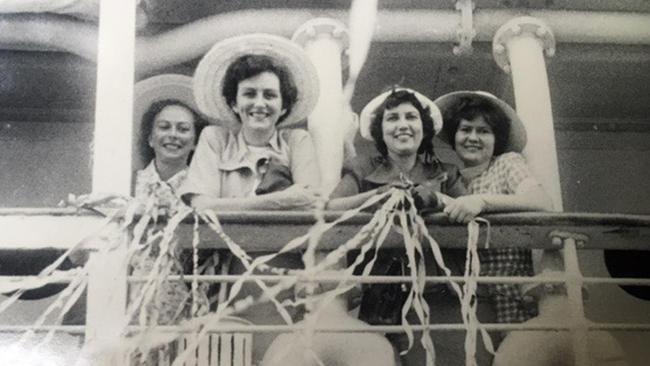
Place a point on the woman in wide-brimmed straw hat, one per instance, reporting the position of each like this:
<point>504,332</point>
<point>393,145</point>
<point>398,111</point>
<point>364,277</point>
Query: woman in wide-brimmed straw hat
<point>402,123</point>
<point>254,86</point>
<point>166,129</point>
<point>488,136</point>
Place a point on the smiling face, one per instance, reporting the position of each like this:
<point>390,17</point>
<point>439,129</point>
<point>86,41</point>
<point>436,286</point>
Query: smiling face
<point>173,134</point>
<point>402,130</point>
<point>259,103</point>
<point>474,141</point>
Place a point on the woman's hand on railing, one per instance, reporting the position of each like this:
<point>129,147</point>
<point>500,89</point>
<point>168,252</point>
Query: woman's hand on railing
<point>426,197</point>
<point>299,197</point>
<point>295,197</point>
<point>464,209</point>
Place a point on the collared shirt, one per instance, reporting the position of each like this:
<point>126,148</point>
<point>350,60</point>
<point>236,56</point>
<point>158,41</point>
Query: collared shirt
<point>364,173</point>
<point>224,166</point>
<point>148,183</point>
<point>505,174</point>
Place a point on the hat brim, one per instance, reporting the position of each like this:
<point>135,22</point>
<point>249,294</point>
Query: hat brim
<point>210,73</point>
<point>152,90</point>
<point>368,112</point>
<point>517,138</point>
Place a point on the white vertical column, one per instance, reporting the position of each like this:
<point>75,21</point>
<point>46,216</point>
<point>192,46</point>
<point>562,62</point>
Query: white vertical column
<point>114,98</point>
<point>107,288</point>
<point>519,47</point>
<point>324,40</point>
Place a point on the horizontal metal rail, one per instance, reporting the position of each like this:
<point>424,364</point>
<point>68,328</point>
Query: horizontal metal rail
<point>553,327</point>
<point>370,279</point>
<point>63,228</point>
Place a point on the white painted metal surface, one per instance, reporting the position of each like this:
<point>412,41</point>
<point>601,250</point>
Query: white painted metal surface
<point>323,40</point>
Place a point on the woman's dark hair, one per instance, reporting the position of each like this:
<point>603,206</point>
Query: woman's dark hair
<point>148,118</point>
<point>252,65</point>
<point>468,108</point>
<point>394,99</point>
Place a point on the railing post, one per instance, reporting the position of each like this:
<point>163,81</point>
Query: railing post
<point>324,40</point>
<point>579,332</point>
<point>106,302</point>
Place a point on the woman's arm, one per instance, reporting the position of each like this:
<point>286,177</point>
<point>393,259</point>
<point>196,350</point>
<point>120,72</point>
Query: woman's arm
<point>529,198</point>
<point>350,202</point>
<point>295,197</point>
<point>346,195</point>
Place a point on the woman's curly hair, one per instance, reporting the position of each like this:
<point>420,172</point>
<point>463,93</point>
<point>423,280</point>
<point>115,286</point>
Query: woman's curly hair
<point>394,99</point>
<point>249,66</point>
<point>468,108</point>
<point>145,151</point>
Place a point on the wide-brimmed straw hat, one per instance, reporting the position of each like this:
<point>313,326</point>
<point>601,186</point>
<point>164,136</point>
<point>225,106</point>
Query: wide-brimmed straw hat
<point>517,138</point>
<point>210,73</point>
<point>368,112</point>
<point>152,90</point>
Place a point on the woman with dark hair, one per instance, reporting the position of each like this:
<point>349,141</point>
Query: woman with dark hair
<point>402,123</point>
<point>488,137</point>
<point>254,86</point>
<point>249,66</point>
<point>154,123</point>
<point>170,130</point>
<point>166,126</point>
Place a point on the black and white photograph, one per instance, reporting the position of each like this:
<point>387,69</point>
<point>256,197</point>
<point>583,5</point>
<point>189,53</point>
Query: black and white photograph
<point>324,183</point>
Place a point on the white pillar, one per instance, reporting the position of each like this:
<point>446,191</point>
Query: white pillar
<point>519,47</point>
<point>114,106</point>
<point>324,40</point>
<point>107,268</point>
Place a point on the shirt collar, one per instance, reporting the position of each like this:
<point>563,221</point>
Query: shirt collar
<point>469,173</point>
<point>236,154</point>
<point>151,172</point>
<point>386,172</point>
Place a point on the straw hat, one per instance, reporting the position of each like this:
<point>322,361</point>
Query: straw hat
<point>368,112</point>
<point>155,89</point>
<point>516,139</point>
<point>210,73</point>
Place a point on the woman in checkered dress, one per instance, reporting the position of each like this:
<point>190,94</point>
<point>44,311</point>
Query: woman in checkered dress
<point>488,137</point>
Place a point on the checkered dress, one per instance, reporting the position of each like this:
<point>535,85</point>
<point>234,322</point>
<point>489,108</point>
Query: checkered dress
<point>503,176</point>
